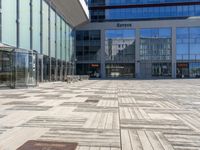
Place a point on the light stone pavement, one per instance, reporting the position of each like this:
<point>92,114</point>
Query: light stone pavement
<point>104,114</point>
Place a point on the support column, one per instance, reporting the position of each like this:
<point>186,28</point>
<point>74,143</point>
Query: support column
<point>137,54</point>
<point>103,68</point>
<point>174,52</point>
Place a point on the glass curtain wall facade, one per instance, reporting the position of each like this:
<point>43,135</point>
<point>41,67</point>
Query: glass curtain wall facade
<point>36,26</point>
<point>156,52</point>
<point>88,45</point>
<point>144,38</point>
<point>109,10</point>
<point>188,52</point>
<point>88,50</point>
<point>119,53</point>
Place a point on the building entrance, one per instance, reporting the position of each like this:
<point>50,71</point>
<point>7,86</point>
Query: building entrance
<point>93,70</point>
<point>18,68</point>
<point>182,70</point>
<point>120,70</point>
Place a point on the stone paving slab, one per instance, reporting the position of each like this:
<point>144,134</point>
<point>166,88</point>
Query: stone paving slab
<point>104,115</point>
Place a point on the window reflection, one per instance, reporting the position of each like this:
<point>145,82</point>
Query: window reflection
<point>145,13</point>
<point>128,2</point>
<point>120,45</point>
<point>195,70</point>
<point>155,44</point>
<point>188,43</point>
<point>161,69</point>
<point>17,68</point>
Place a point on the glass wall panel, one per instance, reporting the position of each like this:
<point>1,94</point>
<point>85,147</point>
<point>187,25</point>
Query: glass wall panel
<point>195,43</point>
<point>161,69</point>
<point>150,12</point>
<point>88,45</point>
<point>188,43</point>
<point>5,68</point>
<point>17,68</point>
<point>9,16</point>
<point>24,24</point>
<point>135,13</point>
<point>120,45</point>
<point>67,43</point>
<point>36,25</point>
<point>120,70</point>
<point>53,33</point>
<point>63,40</point>
<point>25,68</point>
<point>182,44</point>
<point>195,70</point>
<point>132,2</point>
<point>155,44</point>
<point>45,28</point>
<point>71,52</point>
<point>58,37</point>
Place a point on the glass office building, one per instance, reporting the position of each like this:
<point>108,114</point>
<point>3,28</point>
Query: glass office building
<point>37,41</point>
<point>140,39</point>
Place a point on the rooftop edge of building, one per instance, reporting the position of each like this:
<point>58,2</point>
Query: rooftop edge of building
<point>76,12</point>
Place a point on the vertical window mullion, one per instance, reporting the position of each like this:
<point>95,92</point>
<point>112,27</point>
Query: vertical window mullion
<point>31,24</point>
<point>41,29</point>
<point>18,23</point>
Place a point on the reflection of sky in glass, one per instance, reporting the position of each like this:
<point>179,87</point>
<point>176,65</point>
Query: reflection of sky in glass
<point>125,2</point>
<point>128,2</point>
<point>188,43</point>
<point>165,32</point>
<point>116,34</point>
<point>153,12</point>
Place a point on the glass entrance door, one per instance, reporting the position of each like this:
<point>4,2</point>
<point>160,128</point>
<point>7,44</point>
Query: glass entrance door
<point>21,69</point>
<point>32,69</point>
<point>18,68</point>
<point>25,72</point>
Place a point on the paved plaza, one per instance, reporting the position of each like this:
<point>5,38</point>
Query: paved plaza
<point>104,115</point>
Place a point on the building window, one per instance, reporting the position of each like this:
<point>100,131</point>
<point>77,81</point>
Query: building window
<point>188,44</point>
<point>24,24</point>
<point>36,37</point>
<point>53,33</point>
<point>88,45</point>
<point>156,44</point>
<point>58,37</point>
<point>161,69</point>
<point>115,45</point>
<point>45,28</point>
<point>9,25</point>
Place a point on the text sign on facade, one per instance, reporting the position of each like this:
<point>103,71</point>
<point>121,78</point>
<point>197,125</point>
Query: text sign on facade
<point>124,25</point>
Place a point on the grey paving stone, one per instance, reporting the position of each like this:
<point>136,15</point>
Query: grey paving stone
<point>104,114</point>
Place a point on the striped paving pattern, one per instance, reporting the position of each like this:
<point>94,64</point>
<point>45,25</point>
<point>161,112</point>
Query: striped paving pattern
<point>104,115</point>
